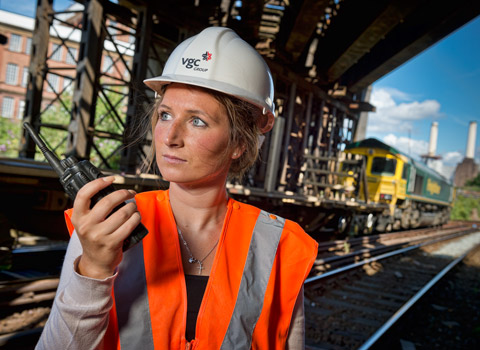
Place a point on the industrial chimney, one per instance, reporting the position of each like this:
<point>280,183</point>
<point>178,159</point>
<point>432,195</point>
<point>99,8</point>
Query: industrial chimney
<point>467,169</point>
<point>472,135</point>
<point>432,146</point>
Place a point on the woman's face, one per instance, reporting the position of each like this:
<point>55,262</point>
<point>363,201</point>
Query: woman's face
<point>191,137</point>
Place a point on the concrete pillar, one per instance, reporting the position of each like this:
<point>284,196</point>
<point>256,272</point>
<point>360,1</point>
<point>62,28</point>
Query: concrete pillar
<point>432,146</point>
<point>472,134</point>
<point>361,129</point>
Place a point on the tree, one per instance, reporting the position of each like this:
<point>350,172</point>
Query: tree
<point>475,182</point>
<point>110,116</point>
<point>55,117</point>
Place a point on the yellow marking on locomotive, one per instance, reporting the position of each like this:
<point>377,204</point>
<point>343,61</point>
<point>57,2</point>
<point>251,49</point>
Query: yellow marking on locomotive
<point>377,184</point>
<point>427,200</point>
<point>433,187</point>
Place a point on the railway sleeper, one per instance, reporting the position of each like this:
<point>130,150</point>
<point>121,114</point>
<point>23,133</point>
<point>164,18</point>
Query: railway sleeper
<point>350,306</point>
<point>369,322</point>
<point>357,297</point>
<point>383,295</point>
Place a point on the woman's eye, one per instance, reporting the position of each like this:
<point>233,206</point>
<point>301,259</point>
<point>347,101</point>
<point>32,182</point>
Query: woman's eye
<point>198,122</point>
<point>165,116</point>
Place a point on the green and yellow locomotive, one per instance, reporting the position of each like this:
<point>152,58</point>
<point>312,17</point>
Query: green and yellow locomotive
<point>414,195</point>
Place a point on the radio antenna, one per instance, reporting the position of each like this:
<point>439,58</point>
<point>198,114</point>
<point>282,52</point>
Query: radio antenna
<point>49,155</point>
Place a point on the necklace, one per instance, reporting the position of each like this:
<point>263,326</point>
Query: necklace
<point>192,259</point>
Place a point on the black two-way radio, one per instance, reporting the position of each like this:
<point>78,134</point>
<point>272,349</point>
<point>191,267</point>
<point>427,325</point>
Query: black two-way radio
<point>74,175</point>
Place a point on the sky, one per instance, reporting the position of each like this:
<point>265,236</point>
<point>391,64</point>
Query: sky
<point>441,84</point>
<point>28,7</point>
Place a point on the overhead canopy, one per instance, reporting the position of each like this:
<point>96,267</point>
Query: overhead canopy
<point>345,44</point>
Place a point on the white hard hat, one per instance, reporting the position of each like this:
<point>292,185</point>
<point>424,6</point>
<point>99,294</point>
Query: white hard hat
<point>218,59</point>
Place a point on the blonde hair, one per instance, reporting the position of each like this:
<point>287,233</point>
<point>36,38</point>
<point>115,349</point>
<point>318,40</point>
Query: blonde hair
<point>243,118</point>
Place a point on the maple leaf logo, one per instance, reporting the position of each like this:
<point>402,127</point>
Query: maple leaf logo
<point>207,56</point>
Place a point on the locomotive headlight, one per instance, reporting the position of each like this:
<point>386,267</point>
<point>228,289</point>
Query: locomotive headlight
<point>385,197</point>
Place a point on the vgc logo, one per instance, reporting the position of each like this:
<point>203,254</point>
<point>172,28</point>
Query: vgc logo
<point>194,63</point>
<point>190,62</point>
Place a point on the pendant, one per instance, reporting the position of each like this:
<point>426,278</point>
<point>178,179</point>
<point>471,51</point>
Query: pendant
<point>192,260</point>
<point>200,267</point>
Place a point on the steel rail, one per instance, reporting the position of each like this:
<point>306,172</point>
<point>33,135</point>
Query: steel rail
<point>382,237</point>
<point>380,257</point>
<point>401,242</point>
<point>396,316</point>
<point>8,338</point>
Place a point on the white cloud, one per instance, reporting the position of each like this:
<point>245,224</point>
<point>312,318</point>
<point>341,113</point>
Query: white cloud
<point>392,116</point>
<point>399,114</point>
<point>452,158</point>
<point>416,148</point>
<point>382,99</point>
<point>442,168</point>
<point>413,148</point>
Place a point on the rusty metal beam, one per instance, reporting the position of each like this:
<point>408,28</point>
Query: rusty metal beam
<point>37,73</point>
<point>424,27</point>
<point>385,21</point>
<point>251,14</point>
<point>137,99</point>
<point>86,89</point>
<point>299,25</point>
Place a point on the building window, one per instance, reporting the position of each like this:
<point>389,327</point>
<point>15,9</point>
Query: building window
<point>12,74</point>
<point>21,109</point>
<point>28,47</point>
<point>52,85</point>
<point>56,52</point>
<point>112,28</point>
<point>126,74</point>
<point>131,37</point>
<point>25,77</point>
<point>67,84</point>
<point>15,43</point>
<point>72,54</point>
<point>107,64</point>
<point>8,104</point>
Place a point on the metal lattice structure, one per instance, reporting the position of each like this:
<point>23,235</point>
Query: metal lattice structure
<point>324,55</point>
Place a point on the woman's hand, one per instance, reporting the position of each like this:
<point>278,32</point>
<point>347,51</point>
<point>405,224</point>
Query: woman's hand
<point>102,235</point>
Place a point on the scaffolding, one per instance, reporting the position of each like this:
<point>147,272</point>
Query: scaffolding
<point>120,46</point>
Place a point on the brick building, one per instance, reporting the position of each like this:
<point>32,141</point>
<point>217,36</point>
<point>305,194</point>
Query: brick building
<point>63,54</point>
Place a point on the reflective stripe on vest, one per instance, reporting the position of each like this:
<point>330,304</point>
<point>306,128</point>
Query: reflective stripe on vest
<point>131,299</point>
<point>256,273</point>
<point>131,302</point>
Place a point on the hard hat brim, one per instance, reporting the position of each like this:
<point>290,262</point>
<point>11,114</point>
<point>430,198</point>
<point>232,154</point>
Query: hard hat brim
<point>157,83</point>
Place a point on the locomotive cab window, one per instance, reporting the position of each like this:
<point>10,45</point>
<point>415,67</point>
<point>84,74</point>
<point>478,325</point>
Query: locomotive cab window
<point>418,184</point>
<point>405,171</point>
<point>383,166</point>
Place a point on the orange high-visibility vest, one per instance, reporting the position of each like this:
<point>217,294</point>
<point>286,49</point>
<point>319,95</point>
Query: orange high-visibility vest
<point>259,268</point>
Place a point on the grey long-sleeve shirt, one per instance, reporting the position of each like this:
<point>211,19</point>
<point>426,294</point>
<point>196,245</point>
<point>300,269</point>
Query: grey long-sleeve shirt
<point>79,316</point>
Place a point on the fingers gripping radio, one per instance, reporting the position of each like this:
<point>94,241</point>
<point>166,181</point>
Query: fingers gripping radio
<point>74,175</point>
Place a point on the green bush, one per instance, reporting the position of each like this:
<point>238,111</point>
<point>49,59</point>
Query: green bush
<point>463,206</point>
<point>9,137</point>
<point>474,183</point>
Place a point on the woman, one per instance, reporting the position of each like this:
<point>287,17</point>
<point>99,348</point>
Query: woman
<point>212,273</point>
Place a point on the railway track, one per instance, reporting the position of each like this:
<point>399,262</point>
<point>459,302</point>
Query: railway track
<point>27,291</point>
<point>351,305</point>
<point>338,253</point>
<point>354,287</point>
<point>25,305</point>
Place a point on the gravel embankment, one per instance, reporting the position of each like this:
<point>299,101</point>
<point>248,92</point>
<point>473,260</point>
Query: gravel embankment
<point>448,316</point>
